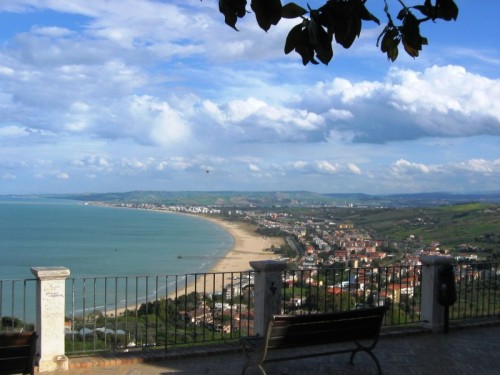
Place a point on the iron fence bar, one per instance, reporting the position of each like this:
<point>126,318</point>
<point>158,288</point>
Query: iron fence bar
<point>1,305</point>
<point>106,314</point>
<point>213,307</point>
<point>176,309</point>
<point>204,300</point>
<point>185,307</point>
<point>495,295</point>
<point>147,311</point>
<point>73,326</point>
<point>126,309</point>
<point>94,311</point>
<point>83,312</point>
<point>24,304</point>
<point>13,285</point>
<point>137,312</point>
<point>166,312</point>
<point>156,309</point>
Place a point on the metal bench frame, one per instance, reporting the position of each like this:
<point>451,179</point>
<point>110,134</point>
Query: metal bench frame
<point>293,331</point>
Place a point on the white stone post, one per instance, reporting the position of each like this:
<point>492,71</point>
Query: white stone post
<point>50,318</point>
<point>432,311</point>
<point>268,285</point>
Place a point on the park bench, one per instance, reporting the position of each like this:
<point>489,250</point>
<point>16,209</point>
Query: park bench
<point>359,329</point>
<point>17,351</point>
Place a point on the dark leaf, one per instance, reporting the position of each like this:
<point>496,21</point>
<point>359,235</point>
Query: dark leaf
<point>366,15</point>
<point>410,50</point>
<point>393,54</point>
<point>446,10</point>
<point>402,14</point>
<point>320,41</point>
<point>390,39</point>
<point>267,12</point>
<point>427,9</point>
<point>347,31</point>
<point>232,9</point>
<point>292,10</point>
<point>411,34</point>
<point>294,38</point>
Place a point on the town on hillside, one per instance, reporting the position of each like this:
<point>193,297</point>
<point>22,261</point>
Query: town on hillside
<point>312,242</point>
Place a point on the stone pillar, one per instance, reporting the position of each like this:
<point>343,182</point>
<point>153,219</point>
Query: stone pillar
<point>432,311</point>
<point>268,285</point>
<point>50,318</point>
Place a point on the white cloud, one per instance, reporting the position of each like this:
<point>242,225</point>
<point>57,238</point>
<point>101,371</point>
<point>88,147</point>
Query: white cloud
<point>253,168</point>
<point>480,166</point>
<point>440,91</point>
<point>169,90</point>
<point>354,168</point>
<point>13,131</point>
<point>51,31</point>
<point>8,176</point>
<point>402,166</point>
<point>326,166</point>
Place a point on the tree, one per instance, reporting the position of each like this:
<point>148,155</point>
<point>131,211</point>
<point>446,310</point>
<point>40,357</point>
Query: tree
<point>341,20</point>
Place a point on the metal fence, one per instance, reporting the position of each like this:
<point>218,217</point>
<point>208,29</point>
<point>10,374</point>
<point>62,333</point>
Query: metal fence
<point>478,291</point>
<point>141,312</point>
<point>127,313</point>
<point>17,305</point>
<point>327,290</point>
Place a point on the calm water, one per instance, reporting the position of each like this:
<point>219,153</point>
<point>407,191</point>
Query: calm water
<point>103,241</point>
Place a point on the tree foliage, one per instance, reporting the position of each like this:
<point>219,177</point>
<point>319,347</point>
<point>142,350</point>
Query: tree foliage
<point>341,21</point>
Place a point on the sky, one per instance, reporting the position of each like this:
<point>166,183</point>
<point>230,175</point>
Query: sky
<point>123,95</point>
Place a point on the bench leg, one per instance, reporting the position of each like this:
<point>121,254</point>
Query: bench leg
<point>252,364</point>
<point>369,352</point>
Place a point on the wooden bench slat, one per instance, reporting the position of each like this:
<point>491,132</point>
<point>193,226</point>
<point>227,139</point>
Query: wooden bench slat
<point>292,331</point>
<point>17,352</point>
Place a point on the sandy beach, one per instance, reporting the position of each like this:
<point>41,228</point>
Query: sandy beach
<point>248,246</point>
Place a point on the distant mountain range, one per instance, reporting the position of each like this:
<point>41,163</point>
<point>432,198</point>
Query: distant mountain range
<point>283,198</point>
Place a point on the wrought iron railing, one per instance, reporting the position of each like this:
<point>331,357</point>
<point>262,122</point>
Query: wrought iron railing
<point>140,312</point>
<point>127,313</point>
<point>17,305</point>
<point>478,291</point>
<point>327,290</point>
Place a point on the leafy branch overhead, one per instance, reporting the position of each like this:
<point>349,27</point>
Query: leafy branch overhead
<point>341,20</point>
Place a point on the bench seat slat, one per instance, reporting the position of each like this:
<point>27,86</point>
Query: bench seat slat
<point>291,335</point>
<point>293,331</point>
<point>16,352</point>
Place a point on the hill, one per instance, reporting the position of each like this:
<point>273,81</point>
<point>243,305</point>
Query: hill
<point>284,199</point>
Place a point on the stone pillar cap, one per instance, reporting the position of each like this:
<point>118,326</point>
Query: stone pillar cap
<point>435,259</point>
<point>268,265</point>
<point>47,273</point>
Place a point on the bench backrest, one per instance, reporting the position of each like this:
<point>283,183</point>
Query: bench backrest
<point>17,351</point>
<point>287,331</point>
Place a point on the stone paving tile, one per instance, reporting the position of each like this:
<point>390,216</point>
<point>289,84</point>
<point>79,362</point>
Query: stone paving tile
<point>471,351</point>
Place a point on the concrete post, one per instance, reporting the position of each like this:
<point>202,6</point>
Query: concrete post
<point>432,311</point>
<point>268,285</point>
<point>50,318</point>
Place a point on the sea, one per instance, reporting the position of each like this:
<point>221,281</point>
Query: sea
<point>98,242</point>
<point>93,240</point>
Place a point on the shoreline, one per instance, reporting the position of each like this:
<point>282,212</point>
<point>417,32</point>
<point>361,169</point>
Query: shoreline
<point>247,246</point>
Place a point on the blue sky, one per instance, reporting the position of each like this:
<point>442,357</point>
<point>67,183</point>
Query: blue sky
<point>120,95</point>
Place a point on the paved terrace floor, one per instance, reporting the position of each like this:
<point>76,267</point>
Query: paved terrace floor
<point>471,349</point>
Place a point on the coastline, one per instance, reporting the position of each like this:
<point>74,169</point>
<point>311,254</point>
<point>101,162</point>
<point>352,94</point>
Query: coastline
<point>248,246</point>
